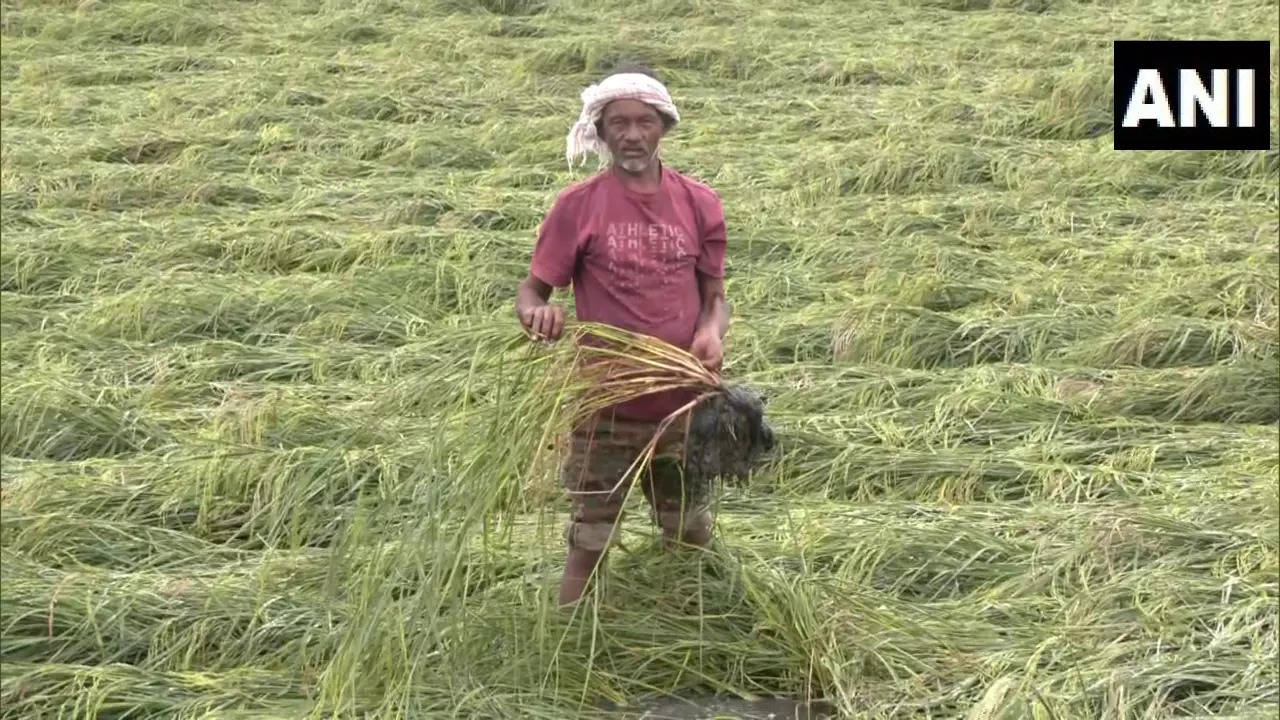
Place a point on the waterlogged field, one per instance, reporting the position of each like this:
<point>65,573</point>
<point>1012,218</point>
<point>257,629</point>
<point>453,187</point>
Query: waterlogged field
<point>268,447</point>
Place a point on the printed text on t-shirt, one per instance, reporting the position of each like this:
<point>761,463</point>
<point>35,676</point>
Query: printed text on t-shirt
<point>645,253</point>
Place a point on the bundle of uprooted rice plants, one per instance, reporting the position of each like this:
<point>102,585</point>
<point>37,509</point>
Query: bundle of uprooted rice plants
<point>725,430</point>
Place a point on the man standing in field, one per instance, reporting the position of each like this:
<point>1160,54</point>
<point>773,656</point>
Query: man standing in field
<point>643,247</point>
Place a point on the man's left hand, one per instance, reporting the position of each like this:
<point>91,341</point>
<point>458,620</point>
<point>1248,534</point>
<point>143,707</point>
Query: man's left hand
<point>708,348</point>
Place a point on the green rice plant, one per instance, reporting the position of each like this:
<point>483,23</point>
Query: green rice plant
<point>1173,342</point>
<point>62,540</point>
<point>53,418</point>
<point>164,620</point>
<point>1234,391</point>
<point>36,688</point>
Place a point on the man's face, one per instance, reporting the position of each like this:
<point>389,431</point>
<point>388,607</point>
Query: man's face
<point>632,130</point>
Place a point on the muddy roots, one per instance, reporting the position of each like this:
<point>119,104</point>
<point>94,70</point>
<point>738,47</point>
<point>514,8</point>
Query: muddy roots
<point>728,436</point>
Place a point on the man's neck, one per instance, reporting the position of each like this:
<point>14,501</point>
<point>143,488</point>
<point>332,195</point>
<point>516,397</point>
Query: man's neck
<point>645,182</point>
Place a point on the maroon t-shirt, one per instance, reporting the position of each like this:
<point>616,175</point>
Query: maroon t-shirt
<point>633,260</point>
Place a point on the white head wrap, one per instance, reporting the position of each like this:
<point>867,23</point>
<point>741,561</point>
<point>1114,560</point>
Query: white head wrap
<point>584,140</point>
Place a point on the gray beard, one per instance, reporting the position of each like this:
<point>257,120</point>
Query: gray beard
<point>638,165</point>
<point>634,165</point>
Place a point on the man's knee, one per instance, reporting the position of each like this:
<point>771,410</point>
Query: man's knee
<point>591,536</point>
<point>691,525</point>
<point>593,475</point>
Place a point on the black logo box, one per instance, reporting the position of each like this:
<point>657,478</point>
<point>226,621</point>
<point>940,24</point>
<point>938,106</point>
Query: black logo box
<point>1169,58</point>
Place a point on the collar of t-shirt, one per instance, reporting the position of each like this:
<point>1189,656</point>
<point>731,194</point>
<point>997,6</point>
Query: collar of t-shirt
<point>644,197</point>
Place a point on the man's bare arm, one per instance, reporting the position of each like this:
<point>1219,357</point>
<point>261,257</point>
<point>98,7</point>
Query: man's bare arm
<point>713,323</point>
<point>538,317</point>
<point>715,309</point>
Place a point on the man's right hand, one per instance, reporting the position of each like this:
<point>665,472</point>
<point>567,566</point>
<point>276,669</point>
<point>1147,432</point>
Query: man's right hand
<point>543,322</point>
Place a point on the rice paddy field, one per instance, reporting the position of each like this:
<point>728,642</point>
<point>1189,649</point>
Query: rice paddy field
<point>271,434</point>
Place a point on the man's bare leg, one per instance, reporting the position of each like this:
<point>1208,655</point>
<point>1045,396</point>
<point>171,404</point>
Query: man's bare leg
<point>578,567</point>
<point>696,536</point>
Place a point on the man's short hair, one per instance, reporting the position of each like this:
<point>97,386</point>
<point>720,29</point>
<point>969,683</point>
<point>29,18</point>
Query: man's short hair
<point>634,66</point>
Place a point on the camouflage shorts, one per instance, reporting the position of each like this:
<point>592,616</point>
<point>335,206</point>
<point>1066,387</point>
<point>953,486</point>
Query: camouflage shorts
<point>595,476</point>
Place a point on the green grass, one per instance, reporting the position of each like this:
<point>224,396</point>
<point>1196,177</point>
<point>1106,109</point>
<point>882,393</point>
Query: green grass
<point>271,437</point>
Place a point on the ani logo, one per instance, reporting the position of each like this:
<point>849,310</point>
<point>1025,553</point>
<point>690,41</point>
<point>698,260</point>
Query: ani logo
<point>1192,95</point>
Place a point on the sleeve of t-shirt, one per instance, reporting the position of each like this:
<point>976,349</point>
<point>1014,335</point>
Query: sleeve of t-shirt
<point>555,254</point>
<point>714,239</point>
